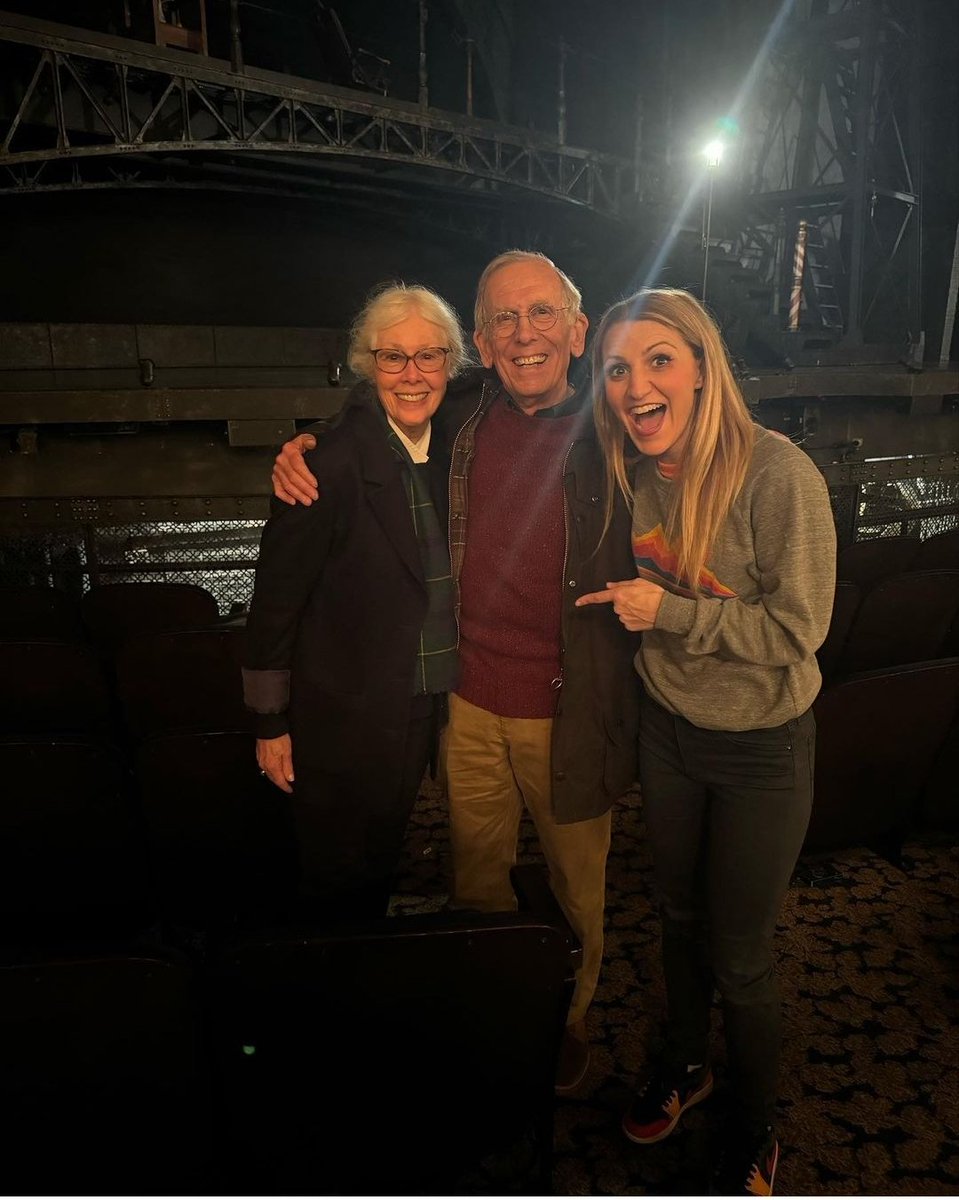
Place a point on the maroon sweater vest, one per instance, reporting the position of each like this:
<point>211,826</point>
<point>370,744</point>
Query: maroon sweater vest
<point>512,577</point>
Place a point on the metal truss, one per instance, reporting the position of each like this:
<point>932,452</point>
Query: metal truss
<point>838,150</point>
<point>91,110</point>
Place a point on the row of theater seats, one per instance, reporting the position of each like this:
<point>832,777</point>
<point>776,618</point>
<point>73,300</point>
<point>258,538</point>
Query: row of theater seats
<point>96,842</point>
<point>897,601</point>
<point>270,1062</point>
<point>384,1059</point>
<point>105,614</point>
<point>887,751</point>
<point>868,562</point>
<point>250,1053</point>
<point>131,788</point>
<point>168,708</point>
<point>186,680</point>
<point>887,756</point>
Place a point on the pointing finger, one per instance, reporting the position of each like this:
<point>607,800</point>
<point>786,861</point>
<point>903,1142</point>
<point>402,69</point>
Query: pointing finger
<point>595,598</point>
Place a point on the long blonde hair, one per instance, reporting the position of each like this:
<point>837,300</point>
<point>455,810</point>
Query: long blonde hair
<point>716,455</point>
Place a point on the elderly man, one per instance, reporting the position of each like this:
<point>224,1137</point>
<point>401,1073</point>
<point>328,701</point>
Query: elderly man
<point>544,714</point>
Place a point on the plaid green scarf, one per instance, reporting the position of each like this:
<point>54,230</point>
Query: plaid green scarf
<point>436,660</point>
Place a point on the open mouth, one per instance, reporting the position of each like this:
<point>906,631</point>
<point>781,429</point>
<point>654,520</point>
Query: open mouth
<point>529,360</point>
<point>411,397</point>
<point>647,419</point>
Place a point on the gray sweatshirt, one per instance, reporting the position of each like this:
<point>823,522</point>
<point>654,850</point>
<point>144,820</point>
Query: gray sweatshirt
<point>740,654</point>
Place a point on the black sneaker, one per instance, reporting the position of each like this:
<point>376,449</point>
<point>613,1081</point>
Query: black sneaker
<point>747,1167</point>
<point>662,1100</point>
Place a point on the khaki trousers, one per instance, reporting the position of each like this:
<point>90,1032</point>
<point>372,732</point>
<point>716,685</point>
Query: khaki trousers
<point>494,766</point>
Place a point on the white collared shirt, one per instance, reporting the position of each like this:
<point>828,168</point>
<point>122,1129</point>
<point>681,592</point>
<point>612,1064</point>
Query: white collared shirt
<point>418,450</point>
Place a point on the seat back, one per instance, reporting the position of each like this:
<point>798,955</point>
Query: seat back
<point>442,1030</point>
<point>903,619</point>
<point>220,834</point>
<point>845,603</point>
<point>112,612</point>
<point>101,1080</point>
<point>53,688</point>
<point>189,680</point>
<point>35,613</point>
<point>950,643</point>
<point>72,857</point>
<point>866,563</point>
<point>938,553</point>
<point>878,735</point>
<point>940,794</point>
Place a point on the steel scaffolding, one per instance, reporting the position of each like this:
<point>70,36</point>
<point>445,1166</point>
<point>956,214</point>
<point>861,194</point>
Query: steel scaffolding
<point>92,110</point>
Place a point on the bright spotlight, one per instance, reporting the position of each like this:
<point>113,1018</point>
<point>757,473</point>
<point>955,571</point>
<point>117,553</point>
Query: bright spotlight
<point>713,153</point>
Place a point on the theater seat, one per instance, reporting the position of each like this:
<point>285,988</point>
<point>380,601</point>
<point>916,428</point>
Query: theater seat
<point>72,856</point>
<point>940,795</point>
<point>39,613</point>
<point>903,619</point>
<point>950,643</point>
<point>102,1084</point>
<point>878,737</point>
<point>866,563</point>
<point>112,612</point>
<point>54,688</point>
<point>389,1057</point>
<point>938,553</point>
<point>220,835</point>
<point>183,681</point>
<point>845,604</point>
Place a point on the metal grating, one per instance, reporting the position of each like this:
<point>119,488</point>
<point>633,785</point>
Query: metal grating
<point>914,496</point>
<point>879,500</point>
<point>217,555</point>
<point>918,507</point>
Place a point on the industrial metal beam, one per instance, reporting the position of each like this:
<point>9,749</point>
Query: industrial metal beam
<point>98,103</point>
<point>838,149</point>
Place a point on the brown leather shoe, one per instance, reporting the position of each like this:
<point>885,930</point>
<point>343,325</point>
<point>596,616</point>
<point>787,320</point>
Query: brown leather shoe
<point>573,1058</point>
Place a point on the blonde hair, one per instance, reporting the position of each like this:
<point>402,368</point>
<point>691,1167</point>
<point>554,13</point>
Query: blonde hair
<point>390,303</point>
<point>572,297</point>
<point>716,454</point>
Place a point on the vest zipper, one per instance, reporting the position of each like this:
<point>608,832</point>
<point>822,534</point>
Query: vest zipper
<point>449,493</point>
<point>557,683</point>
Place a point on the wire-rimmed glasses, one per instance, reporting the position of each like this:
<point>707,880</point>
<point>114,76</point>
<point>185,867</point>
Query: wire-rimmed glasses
<point>541,316</point>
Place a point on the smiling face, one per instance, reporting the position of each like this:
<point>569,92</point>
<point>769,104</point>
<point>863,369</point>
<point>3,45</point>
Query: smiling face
<point>650,377</point>
<point>532,364</point>
<point>412,396</point>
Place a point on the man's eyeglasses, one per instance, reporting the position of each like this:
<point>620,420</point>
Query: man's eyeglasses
<point>541,316</point>
<point>394,361</point>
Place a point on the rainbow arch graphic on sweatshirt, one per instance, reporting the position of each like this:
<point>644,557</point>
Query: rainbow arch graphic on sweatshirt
<point>658,562</point>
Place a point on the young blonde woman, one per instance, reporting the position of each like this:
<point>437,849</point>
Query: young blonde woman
<point>734,545</point>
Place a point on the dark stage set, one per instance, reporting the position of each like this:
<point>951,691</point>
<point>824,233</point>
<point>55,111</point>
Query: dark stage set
<point>195,198</point>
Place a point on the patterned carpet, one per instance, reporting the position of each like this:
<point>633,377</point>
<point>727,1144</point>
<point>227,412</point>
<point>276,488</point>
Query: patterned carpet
<point>869,970</point>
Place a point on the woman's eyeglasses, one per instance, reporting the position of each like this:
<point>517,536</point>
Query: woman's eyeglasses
<point>394,361</point>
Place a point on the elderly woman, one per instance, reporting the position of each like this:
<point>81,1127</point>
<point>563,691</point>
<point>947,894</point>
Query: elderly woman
<point>351,641</point>
<point>734,545</point>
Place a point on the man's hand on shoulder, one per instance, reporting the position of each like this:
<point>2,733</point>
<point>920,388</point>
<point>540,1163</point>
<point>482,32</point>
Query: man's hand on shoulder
<point>293,482</point>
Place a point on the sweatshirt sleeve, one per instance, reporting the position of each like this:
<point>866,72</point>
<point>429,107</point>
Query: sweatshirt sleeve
<point>294,547</point>
<point>794,543</point>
